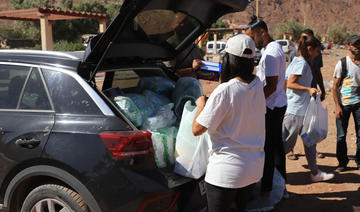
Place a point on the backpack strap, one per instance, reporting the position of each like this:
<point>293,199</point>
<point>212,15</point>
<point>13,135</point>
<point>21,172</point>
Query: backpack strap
<point>343,70</point>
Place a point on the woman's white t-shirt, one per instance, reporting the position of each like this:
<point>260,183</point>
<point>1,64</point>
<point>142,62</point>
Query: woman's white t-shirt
<point>235,117</point>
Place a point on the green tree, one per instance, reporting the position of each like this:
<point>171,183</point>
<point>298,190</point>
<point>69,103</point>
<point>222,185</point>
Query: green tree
<point>25,4</point>
<point>112,9</point>
<point>338,33</point>
<point>220,23</point>
<point>64,4</point>
<point>290,26</point>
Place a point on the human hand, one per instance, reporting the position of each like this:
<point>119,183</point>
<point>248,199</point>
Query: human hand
<point>201,101</point>
<point>338,112</point>
<point>313,91</point>
<point>197,63</point>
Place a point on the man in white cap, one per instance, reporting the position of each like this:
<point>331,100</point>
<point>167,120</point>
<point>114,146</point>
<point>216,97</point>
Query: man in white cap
<point>234,116</point>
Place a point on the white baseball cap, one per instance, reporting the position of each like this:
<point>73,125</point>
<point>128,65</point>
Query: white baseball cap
<point>241,45</point>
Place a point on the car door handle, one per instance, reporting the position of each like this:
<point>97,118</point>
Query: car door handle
<point>28,143</point>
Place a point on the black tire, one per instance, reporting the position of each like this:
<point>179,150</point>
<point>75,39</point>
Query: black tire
<point>60,196</point>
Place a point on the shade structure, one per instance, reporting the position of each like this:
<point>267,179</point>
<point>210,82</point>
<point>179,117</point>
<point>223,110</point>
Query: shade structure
<point>46,16</point>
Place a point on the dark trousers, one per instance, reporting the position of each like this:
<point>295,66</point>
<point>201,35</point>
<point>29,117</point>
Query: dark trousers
<point>274,147</point>
<point>220,199</point>
<point>341,126</point>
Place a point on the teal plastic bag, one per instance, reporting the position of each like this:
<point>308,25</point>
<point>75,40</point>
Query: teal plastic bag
<point>142,104</point>
<point>159,85</point>
<point>155,100</point>
<point>186,88</point>
<point>130,110</point>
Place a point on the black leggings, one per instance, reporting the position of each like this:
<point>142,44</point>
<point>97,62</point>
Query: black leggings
<point>220,199</point>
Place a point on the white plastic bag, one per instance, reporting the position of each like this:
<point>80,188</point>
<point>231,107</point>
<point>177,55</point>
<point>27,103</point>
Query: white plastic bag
<point>259,203</point>
<point>164,146</point>
<point>164,117</point>
<point>191,152</point>
<point>315,124</point>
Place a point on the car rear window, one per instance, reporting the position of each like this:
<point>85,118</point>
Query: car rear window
<point>68,96</point>
<point>165,26</point>
<point>12,80</point>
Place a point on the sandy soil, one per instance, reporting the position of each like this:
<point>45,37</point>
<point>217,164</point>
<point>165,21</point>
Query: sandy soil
<point>340,194</point>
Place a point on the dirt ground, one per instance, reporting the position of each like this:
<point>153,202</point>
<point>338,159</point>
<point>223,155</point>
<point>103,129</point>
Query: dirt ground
<point>341,193</point>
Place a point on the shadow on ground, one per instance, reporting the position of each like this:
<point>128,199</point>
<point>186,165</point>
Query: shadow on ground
<point>346,202</point>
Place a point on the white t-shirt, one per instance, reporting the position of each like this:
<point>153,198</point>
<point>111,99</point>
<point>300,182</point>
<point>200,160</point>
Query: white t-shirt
<point>273,63</point>
<point>235,117</point>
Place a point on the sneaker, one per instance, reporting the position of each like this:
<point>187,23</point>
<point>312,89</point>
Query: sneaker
<point>322,176</point>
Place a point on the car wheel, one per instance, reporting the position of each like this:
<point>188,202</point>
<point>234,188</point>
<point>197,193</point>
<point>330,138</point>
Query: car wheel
<point>53,198</point>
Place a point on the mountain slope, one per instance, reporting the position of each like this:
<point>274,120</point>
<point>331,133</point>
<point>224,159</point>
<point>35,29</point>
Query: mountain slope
<point>317,14</point>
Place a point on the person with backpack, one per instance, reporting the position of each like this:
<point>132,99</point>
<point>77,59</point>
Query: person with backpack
<point>299,77</point>
<point>234,116</point>
<point>271,70</point>
<point>346,93</point>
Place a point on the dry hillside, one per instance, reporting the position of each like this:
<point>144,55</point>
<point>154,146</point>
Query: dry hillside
<point>317,14</point>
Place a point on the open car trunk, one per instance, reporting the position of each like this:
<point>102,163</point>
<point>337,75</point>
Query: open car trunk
<point>124,82</point>
<point>153,30</point>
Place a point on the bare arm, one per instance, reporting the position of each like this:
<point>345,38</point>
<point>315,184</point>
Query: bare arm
<point>320,81</point>
<point>190,71</point>
<point>292,84</point>
<point>336,96</point>
<point>198,129</point>
<point>271,85</point>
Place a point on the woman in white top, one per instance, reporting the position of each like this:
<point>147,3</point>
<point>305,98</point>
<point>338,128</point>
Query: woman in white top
<point>234,116</point>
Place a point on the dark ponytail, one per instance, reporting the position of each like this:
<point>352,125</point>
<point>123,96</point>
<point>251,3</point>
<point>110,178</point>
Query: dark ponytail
<point>304,42</point>
<point>234,66</point>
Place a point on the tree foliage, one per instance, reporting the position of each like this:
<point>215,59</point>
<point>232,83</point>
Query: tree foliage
<point>220,23</point>
<point>290,26</point>
<point>338,33</point>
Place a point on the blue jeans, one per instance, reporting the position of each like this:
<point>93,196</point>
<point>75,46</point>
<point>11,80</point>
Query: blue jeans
<point>341,126</point>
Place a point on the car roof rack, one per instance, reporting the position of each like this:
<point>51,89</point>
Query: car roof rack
<point>67,55</point>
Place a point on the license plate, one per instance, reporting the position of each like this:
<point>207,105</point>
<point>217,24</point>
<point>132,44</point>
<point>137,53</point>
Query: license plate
<point>202,187</point>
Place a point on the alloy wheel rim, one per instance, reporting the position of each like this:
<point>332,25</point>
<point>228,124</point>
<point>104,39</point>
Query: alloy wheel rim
<point>51,205</point>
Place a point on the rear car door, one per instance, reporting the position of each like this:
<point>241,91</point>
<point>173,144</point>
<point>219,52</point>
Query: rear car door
<point>26,115</point>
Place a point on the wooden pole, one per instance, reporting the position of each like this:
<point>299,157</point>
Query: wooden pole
<point>215,43</point>
<point>46,33</point>
<point>257,8</point>
<point>102,25</point>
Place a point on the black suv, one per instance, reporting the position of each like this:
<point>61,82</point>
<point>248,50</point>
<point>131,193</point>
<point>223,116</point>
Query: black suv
<point>65,146</point>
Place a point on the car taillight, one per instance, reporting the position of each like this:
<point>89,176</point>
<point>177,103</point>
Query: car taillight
<point>127,144</point>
